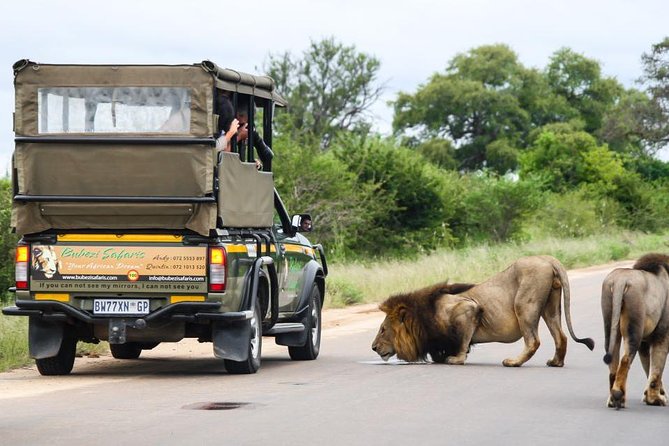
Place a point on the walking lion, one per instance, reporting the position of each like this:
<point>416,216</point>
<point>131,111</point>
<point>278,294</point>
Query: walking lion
<point>635,307</point>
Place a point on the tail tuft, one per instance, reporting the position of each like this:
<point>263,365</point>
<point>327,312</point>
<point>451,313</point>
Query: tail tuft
<point>589,343</point>
<point>607,358</point>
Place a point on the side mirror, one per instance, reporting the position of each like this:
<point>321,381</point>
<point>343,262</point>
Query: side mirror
<point>302,222</point>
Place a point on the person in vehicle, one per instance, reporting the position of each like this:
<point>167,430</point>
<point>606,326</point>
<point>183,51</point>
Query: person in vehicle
<point>264,152</point>
<point>228,125</point>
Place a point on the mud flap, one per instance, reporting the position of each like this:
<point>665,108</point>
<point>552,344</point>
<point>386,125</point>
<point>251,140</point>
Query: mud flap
<point>294,339</point>
<point>231,341</point>
<point>44,338</point>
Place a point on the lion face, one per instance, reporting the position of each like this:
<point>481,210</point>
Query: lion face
<point>383,343</point>
<point>45,261</point>
<point>399,334</point>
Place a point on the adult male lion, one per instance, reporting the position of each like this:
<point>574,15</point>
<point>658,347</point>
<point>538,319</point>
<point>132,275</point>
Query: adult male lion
<point>504,308</point>
<point>635,306</point>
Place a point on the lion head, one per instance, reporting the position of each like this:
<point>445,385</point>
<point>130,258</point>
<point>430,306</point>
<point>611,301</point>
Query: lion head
<point>399,334</point>
<point>45,261</point>
<point>406,327</point>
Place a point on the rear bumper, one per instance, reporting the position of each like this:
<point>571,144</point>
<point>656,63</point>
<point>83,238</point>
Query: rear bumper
<point>182,312</point>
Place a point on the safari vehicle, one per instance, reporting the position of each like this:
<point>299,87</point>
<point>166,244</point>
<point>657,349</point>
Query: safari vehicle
<point>138,233</point>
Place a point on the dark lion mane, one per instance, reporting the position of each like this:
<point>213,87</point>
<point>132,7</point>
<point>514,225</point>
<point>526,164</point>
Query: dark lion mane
<point>419,308</point>
<point>652,263</point>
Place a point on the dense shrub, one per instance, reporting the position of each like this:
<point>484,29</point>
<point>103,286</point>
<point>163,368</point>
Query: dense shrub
<point>419,198</point>
<point>7,240</point>
<point>494,208</point>
<point>572,214</point>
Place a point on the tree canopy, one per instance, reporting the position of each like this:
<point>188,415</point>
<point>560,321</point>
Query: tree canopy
<point>329,88</point>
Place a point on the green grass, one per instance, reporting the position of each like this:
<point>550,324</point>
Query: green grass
<point>365,283</point>
<point>13,342</point>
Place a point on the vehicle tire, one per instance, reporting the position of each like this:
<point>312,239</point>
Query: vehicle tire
<point>129,350</point>
<point>62,363</point>
<point>252,363</point>
<point>311,348</point>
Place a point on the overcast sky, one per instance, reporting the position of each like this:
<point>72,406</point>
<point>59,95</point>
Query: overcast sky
<point>413,39</point>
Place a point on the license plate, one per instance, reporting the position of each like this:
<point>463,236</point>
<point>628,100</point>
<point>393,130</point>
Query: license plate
<point>121,306</point>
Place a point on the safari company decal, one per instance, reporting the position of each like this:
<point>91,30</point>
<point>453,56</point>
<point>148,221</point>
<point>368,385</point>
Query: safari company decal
<point>118,268</point>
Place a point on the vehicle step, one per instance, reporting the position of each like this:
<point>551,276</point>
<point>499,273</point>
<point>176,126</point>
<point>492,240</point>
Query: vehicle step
<point>289,327</point>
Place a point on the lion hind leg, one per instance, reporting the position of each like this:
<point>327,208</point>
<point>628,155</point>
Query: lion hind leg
<point>528,322</point>
<point>553,318</point>
<point>654,394</point>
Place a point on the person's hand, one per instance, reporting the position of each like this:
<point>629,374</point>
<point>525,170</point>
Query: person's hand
<point>243,132</point>
<point>234,127</point>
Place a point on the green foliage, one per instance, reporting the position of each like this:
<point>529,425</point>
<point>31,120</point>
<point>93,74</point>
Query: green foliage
<point>494,208</point>
<point>439,152</point>
<point>342,292</point>
<point>420,195</point>
<point>656,79</point>
<point>572,214</point>
<point>566,158</point>
<point>476,102</point>
<point>579,80</point>
<point>7,239</point>
<point>649,168</point>
<point>623,123</point>
<point>320,184</point>
<point>329,88</point>
<point>13,342</point>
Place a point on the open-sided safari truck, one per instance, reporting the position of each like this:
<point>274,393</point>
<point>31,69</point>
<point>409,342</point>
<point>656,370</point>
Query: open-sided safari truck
<point>137,230</point>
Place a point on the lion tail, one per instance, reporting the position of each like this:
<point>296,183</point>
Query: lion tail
<point>617,293</point>
<point>564,280</point>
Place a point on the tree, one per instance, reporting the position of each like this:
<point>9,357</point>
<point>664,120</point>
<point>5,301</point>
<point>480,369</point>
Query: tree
<point>623,127</point>
<point>580,82</point>
<point>329,88</point>
<point>478,100</point>
<point>656,79</point>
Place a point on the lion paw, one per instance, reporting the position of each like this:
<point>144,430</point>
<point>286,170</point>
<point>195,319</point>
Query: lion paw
<point>511,363</point>
<point>616,399</point>
<point>555,363</point>
<point>656,400</point>
<point>455,360</point>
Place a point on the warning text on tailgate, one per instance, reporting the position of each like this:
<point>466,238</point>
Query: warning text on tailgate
<point>118,268</point>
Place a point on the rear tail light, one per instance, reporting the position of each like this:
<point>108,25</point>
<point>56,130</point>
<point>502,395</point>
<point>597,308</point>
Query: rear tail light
<point>217,269</point>
<point>21,270</point>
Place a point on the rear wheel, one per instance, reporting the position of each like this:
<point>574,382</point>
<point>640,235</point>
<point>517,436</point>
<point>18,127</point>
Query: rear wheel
<point>311,348</point>
<point>129,350</point>
<point>252,363</point>
<point>62,363</point>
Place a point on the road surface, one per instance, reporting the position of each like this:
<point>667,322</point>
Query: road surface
<point>178,394</point>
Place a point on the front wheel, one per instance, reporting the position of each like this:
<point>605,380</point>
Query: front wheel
<point>311,348</point>
<point>252,362</point>
<point>62,363</point>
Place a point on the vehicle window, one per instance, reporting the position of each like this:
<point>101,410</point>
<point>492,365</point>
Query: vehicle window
<point>114,109</point>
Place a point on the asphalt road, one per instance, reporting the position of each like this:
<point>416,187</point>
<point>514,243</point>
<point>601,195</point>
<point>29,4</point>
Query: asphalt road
<point>179,394</point>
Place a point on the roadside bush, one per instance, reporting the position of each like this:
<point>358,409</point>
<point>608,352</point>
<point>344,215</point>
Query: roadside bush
<point>418,198</point>
<point>315,182</point>
<point>342,292</point>
<point>495,208</point>
<point>571,214</point>
<point>7,240</point>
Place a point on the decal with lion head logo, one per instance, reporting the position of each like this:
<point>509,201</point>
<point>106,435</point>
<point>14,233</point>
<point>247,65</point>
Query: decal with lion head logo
<point>45,262</point>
